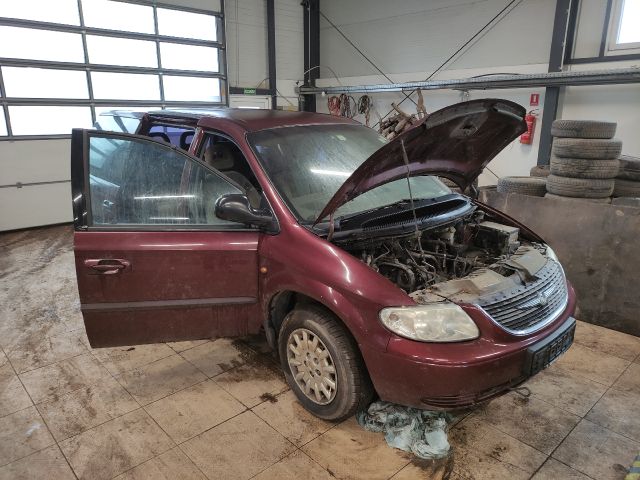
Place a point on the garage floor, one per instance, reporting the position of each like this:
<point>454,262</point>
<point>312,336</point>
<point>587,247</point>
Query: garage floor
<point>221,410</point>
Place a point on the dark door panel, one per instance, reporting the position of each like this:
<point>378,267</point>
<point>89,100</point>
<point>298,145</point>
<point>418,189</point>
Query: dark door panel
<point>112,328</point>
<point>160,286</point>
<point>168,265</point>
<point>153,261</point>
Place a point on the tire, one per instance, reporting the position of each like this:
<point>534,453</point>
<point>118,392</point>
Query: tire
<point>626,188</point>
<point>353,389</point>
<point>586,148</point>
<point>578,199</point>
<point>629,168</point>
<point>579,187</point>
<point>583,129</point>
<point>583,167</point>
<point>534,186</point>
<point>540,171</point>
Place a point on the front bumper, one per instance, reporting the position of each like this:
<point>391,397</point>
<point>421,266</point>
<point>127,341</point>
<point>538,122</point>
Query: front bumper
<point>457,375</point>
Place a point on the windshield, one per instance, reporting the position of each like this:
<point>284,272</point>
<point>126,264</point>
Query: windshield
<point>308,164</point>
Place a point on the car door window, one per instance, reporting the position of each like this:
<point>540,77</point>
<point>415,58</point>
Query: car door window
<point>135,181</point>
<point>223,155</point>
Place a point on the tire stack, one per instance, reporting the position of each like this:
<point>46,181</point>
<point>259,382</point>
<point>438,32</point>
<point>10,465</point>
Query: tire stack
<point>627,183</point>
<point>533,186</point>
<point>584,160</point>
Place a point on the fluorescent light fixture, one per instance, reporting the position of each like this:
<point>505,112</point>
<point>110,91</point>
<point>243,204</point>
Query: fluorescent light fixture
<point>335,173</point>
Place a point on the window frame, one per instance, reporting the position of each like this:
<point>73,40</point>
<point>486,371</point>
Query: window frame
<point>613,47</point>
<point>80,172</point>
<point>87,67</point>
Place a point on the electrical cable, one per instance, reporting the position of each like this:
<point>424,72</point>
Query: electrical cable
<point>464,45</point>
<point>362,53</point>
<point>333,104</point>
<point>364,106</point>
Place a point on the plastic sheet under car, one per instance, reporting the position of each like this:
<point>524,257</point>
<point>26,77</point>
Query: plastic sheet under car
<point>422,432</point>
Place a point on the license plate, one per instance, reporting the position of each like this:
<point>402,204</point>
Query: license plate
<point>542,354</point>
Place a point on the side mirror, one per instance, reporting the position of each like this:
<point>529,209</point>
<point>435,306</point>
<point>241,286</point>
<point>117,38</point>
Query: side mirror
<point>235,207</point>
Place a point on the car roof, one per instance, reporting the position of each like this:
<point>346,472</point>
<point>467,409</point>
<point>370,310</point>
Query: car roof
<point>249,119</point>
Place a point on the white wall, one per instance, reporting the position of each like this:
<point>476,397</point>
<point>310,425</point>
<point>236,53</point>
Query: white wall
<point>29,161</point>
<point>247,45</point>
<point>410,39</point>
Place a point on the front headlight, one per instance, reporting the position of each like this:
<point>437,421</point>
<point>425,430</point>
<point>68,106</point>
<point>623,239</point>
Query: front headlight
<point>440,322</point>
<point>551,254</point>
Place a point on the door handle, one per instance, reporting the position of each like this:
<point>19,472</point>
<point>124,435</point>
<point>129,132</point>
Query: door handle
<point>107,266</point>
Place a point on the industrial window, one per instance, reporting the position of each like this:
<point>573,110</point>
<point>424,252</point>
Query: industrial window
<point>63,63</point>
<point>624,34</point>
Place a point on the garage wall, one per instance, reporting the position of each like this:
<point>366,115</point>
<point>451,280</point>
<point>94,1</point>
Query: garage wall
<point>418,35</point>
<point>408,40</point>
<point>29,161</point>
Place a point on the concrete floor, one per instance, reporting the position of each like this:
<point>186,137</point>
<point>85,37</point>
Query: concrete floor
<point>221,410</point>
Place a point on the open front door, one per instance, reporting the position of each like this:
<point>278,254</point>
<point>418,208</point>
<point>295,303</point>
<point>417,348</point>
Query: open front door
<point>153,262</point>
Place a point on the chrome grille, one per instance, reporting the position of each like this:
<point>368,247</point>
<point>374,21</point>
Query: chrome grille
<point>530,306</point>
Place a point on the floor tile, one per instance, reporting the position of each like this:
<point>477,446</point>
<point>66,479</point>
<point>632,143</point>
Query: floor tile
<point>296,466</point>
<point>629,381</point>
<point>597,451</point>
<point>215,357</point>
<point>13,396</point>
<point>193,410</point>
<point>86,407</point>
<point>237,449</point>
<point>530,420</point>
<point>252,383</point>
<point>596,366</point>
<point>289,417</point>
<point>21,434</point>
<point>171,465</point>
<point>257,343</point>
<point>618,411</point>
<point>49,383</point>
<point>122,359</point>
<point>418,469</point>
<point>350,452</point>
<point>479,447</point>
<point>48,463</point>
<point>115,446</point>
<point>607,341</point>
<point>160,378</point>
<point>45,350</point>
<point>555,470</point>
<point>562,389</point>
<point>186,345</point>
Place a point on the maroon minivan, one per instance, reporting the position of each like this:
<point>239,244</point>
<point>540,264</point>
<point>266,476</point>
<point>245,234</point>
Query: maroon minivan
<point>366,273</point>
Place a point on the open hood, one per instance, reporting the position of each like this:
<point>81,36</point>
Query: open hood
<point>456,142</point>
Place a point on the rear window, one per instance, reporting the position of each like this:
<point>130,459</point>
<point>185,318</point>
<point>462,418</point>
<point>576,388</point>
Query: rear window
<point>180,137</point>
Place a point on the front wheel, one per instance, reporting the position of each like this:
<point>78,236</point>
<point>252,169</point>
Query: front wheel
<point>322,364</point>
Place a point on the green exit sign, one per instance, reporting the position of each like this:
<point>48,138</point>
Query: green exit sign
<point>249,91</point>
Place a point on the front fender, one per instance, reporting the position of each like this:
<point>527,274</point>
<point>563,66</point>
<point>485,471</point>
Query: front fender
<point>329,275</point>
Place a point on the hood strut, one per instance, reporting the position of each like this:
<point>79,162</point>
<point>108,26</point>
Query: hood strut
<point>405,157</point>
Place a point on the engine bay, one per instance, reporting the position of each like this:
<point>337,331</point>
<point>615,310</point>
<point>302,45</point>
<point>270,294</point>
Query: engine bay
<point>465,259</point>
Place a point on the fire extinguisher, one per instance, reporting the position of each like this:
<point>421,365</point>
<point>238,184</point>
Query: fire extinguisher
<point>530,118</point>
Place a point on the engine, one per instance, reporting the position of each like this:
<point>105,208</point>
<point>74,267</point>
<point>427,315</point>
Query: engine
<point>474,248</point>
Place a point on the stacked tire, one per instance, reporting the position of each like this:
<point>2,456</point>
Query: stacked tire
<point>584,160</point>
<point>533,186</point>
<point>627,182</point>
